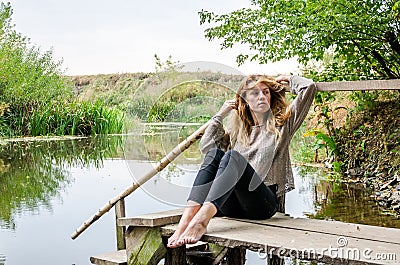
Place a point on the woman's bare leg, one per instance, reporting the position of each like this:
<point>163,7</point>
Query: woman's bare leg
<point>197,227</point>
<point>190,211</point>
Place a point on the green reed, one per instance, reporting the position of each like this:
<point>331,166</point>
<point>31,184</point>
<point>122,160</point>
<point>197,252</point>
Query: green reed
<point>76,118</point>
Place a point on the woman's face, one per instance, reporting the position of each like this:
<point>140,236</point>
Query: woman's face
<point>259,98</point>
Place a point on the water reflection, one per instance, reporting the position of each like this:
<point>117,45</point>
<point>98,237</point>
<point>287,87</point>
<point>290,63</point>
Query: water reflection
<point>85,173</point>
<point>34,172</point>
<point>158,139</point>
<point>335,200</point>
<point>350,203</point>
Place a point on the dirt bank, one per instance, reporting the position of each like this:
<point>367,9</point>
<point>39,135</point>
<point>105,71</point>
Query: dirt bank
<point>370,149</point>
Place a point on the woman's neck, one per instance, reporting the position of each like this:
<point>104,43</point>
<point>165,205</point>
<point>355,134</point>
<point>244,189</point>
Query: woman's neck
<point>259,118</point>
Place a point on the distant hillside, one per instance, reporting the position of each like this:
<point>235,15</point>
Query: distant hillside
<point>159,96</point>
<point>103,86</point>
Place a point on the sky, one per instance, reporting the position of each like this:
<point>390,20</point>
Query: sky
<point>122,36</point>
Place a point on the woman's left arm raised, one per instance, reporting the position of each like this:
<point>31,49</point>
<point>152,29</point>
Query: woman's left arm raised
<point>305,90</point>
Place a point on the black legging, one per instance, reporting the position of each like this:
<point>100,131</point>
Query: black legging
<point>229,182</point>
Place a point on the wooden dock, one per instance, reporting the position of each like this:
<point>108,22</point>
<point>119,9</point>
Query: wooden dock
<point>227,240</point>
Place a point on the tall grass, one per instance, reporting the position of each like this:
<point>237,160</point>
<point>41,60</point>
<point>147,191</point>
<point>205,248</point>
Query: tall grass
<point>77,118</point>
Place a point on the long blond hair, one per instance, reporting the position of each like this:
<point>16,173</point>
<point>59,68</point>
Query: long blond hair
<point>242,120</point>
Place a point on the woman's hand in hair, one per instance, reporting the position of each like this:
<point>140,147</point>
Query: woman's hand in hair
<point>283,78</point>
<point>228,106</point>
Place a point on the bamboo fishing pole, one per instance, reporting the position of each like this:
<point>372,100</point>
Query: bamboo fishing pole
<point>185,144</point>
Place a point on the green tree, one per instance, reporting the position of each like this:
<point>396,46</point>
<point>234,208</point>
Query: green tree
<point>362,35</point>
<point>28,77</point>
<point>35,96</point>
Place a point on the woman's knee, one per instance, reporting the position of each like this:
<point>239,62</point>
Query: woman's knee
<point>213,157</point>
<point>233,156</point>
<point>215,153</point>
<point>232,153</point>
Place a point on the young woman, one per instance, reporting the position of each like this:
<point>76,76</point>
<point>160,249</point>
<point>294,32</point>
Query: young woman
<point>246,169</point>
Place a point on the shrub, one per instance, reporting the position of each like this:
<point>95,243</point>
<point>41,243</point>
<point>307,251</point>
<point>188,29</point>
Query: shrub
<point>36,98</point>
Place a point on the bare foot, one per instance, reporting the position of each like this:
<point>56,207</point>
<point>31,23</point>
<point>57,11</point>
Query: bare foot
<point>188,214</point>
<point>173,240</point>
<point>198,225</point>
<point>192,234</point>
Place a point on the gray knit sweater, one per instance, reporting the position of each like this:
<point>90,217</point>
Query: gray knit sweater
<point>269,157</point>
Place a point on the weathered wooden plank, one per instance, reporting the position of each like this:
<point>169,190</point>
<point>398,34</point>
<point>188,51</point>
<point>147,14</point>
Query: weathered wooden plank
<point>382,234</point>
<point>203,253</point>
<point>120,230</point>
<point>158,255</point>
<point>369,232</point>
<point>236,256</point>
<point>219,254</point>
<point>111,258</point>
<point>144,246</point>
<point>152,219</point>
<point>174,256</point>
<point>218,251</point>
<point>295,243</point>
<point>392,84</point>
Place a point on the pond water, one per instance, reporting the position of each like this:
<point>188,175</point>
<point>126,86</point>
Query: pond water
<point>50,187</point>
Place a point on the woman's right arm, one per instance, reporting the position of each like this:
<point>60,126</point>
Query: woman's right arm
<point>214,135</point>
